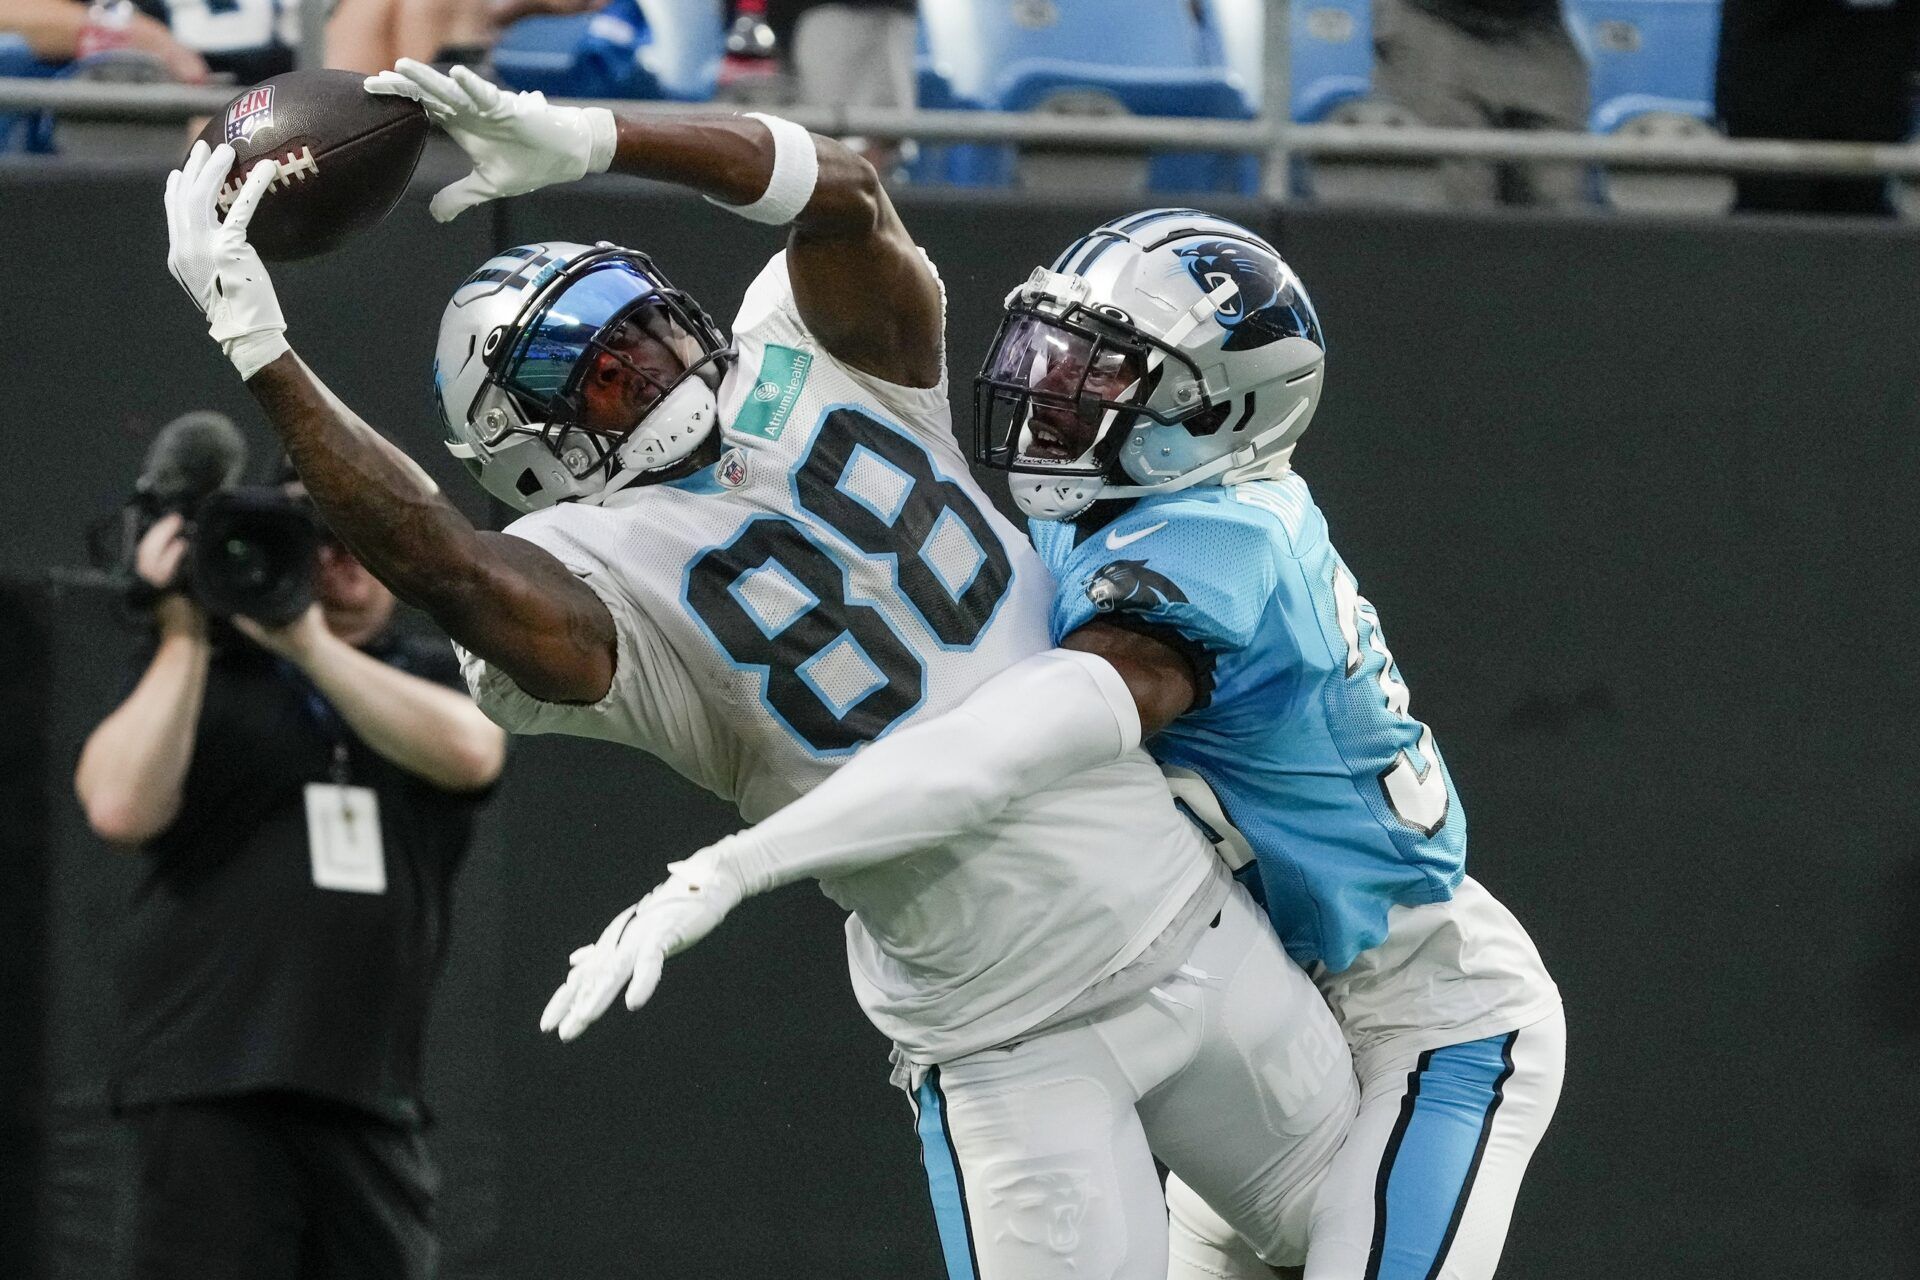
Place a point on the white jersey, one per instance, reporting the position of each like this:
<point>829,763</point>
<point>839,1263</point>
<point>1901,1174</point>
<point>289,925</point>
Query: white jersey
<point>835,575</point>
<point>1448,973</point>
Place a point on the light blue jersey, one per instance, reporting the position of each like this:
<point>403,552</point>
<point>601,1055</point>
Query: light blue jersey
<point>1302,726</point>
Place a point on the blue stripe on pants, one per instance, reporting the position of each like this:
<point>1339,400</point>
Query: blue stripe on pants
<point>944,1181</point>
<point>1427,1171</point>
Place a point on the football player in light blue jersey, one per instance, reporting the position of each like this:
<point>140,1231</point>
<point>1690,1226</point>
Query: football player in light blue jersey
<point>1145,395</point>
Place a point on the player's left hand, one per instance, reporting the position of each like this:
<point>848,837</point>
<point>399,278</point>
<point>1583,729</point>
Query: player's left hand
<point>518,142</point>
<point>631,950</point>
<point>213,261</point>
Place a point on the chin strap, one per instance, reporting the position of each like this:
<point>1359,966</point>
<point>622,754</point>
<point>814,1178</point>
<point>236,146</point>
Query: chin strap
<point>1246,458</point>
<point>636,462</point>
<point>1272,467</point>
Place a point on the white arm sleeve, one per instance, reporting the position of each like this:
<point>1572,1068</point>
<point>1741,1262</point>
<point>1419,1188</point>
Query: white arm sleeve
<point>1041,721</point>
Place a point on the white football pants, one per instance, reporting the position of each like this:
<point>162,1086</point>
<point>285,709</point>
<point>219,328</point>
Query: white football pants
<point>1039,1154</point>
<point>1424,1187</point>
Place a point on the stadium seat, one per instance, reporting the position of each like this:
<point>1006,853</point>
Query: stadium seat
<point>1145,57</point>
<point>1332,46</point>
<point>1651,68</point>
<point>628,49</point>
<point>1331,82</point>
<point>1647,56</point>
<point>29,131</point>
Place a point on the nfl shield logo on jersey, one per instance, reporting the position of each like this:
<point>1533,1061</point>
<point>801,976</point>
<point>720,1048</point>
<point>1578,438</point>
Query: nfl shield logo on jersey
<point>251,112</point>
<point>732,469</point>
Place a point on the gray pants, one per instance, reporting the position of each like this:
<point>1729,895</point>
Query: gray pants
<point>1453,78</point>
<point>844,55</point>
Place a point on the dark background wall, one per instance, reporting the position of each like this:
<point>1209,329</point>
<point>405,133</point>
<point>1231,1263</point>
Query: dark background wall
<point>1634,499</point>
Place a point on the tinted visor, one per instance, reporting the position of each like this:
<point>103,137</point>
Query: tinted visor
<point>1054,387</point>
<point>541,366</point>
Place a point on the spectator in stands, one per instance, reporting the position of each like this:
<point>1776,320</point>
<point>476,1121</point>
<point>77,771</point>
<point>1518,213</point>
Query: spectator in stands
<point>849,53</point>
<point>372,35</point>
<point>1486,64</point>
<point>1827,70</point>
<point>53,29</point>
<point>299,799</point>
<point>246,41</point>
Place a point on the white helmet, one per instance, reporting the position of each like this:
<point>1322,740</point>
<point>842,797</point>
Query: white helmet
<point>565,371</point>
<point>1163,350</point>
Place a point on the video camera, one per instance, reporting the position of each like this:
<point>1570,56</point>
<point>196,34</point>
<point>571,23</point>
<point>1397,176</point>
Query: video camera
<point>252,549</point>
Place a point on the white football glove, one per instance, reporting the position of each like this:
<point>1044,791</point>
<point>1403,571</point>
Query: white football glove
<point>631,950</point>
<point>213,261</point>
<point>517,141</point>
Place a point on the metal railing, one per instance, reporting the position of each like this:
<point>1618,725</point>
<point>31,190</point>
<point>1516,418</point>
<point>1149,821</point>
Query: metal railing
<point>162,103</point>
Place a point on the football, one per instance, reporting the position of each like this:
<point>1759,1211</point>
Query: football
<point>345,157</point>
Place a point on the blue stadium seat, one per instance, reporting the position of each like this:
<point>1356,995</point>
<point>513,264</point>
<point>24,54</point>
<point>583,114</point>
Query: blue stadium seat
<point>1332,46</point>
<point>1151,57</point>
<point>1651,67</point>
<point>948,164</point>
<point>627,49</point>
<point>34,130</point>
<point>1647,56</point>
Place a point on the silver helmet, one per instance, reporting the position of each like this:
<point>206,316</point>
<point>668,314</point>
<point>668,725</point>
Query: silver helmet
<point>568,372</point>
<point>1165,349</point>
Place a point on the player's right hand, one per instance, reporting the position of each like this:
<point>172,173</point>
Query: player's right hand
<point>518,142</point>
<point>213,262</point>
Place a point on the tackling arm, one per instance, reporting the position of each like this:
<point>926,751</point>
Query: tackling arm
<point>1040,721</point>
<point>1034,725</point>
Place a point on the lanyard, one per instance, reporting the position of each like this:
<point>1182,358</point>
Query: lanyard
<point>327,720</point>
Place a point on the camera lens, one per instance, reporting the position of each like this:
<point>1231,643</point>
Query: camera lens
<point>254,554</point>
<point>249,565</point>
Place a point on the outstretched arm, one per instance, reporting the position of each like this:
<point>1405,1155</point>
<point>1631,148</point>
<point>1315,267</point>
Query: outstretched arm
<point>861,284</point>
<point>1039,722</point>
<point>499,596</point>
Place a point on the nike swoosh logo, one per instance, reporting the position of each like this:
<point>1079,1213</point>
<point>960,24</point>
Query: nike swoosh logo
<point>1116,541</point>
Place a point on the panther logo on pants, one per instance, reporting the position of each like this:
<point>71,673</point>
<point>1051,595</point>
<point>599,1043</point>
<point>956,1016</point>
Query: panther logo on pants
<point>1048,1207</point>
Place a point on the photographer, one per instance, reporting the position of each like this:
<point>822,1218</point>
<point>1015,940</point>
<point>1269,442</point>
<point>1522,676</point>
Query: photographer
<point>300,797</point>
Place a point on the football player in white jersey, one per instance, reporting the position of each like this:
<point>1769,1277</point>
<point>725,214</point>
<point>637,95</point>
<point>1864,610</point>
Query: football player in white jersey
<point>1146,393</point>
<point>753,557</point>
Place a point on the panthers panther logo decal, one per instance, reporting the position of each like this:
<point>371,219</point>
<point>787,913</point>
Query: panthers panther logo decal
<point>1129,584</point>
<point>1268,307</point>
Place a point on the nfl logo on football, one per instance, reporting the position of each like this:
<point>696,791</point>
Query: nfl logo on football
<point>253,111</point>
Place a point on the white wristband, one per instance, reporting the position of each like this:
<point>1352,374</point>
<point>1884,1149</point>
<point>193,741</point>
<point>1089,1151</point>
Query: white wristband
<point>253,352</point>
<point>796,168</point>
<point>602,137</point>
